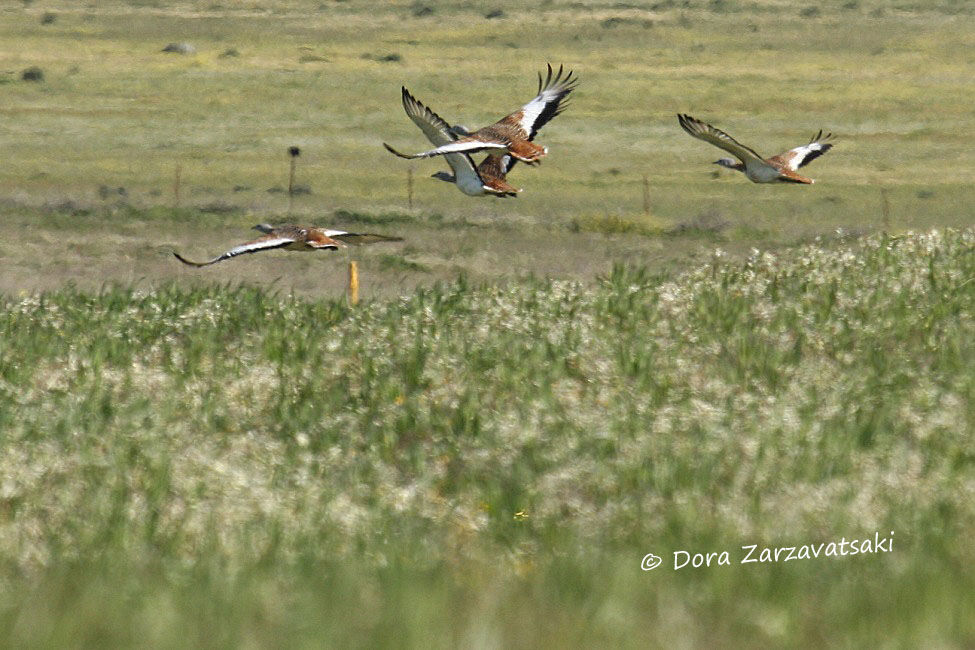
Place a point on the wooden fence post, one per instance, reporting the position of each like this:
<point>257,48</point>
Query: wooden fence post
<point>409,187</point>
<point>294,152</point>
<point>176,184</point>
<point>885,208</point>
<point>646,196</point>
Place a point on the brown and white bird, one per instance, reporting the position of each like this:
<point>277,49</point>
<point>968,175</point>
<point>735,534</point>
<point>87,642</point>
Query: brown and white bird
<point>300,238</point>
<point>512,134</point>
<point>486,179</point>
<point>490,176</point>
<point>780,168</point>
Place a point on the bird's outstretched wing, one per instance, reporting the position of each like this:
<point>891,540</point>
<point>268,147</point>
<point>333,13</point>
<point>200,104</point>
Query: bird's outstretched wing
<point>439,132</point>
<point>358,238</point>
<point>718,138</point>
<point>796,158</point>
<point>267,242</point>
<point>549,102</point>
<point>470,144</point>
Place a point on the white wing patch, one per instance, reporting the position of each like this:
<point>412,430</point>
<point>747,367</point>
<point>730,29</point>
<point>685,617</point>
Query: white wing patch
<point>531,111</point>
<point>258,245</point>
<point>264,243</point>
<point>464,146</point>
<point>547,103</point>
<point>799,156</point>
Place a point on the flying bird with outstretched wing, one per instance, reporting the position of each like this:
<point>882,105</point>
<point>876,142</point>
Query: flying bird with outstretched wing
<point>780,168</point>
<point>512,134</point>
<point>291,237</point>
<point>485,179</point>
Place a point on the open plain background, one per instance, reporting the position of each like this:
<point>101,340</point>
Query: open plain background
<point>91,152</point>
<point>640,353</point>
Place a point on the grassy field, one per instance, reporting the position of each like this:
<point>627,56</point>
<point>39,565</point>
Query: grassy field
<point>535,393</point>
<point>92,150</point>
<point>486,465</point>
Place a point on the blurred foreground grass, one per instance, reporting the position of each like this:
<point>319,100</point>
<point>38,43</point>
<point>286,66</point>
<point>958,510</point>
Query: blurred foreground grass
<point>485,465</point>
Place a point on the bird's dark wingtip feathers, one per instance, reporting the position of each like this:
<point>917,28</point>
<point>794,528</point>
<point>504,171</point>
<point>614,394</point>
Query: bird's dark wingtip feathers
<point>186,261</point>
<point>553,77</point>
<point>819,137</point>
<point>685,122</point>
<point>396,153</point>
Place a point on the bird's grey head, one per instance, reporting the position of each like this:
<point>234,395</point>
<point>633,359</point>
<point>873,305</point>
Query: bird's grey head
<point>726,162</point>
<point>444,176</point>
<point>264,227</point>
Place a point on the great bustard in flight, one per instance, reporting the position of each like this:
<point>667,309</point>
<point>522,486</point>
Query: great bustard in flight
<point>512,134</point>
<point>485,179</point>
<point>780,168</point>
<point>301,238</point>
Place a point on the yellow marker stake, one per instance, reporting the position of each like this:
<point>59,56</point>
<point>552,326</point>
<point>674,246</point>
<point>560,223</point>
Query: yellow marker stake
<point>353,283</point>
